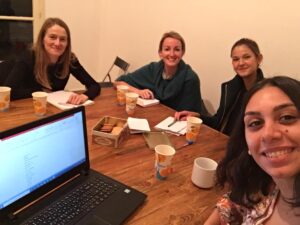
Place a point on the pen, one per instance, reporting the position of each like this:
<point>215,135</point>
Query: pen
<point>184,145</point>
<point>174,121</point>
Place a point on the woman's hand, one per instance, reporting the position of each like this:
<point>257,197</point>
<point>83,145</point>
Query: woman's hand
<point>77,99</point>
<point>184,114</point>
<point>146,94</point>
<point>213,219</point>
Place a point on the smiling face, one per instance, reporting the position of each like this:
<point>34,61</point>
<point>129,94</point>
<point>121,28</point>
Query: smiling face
<point>245,63</point>
<point>55,42</point>
<point>272,132</point>
<point>171,52</point>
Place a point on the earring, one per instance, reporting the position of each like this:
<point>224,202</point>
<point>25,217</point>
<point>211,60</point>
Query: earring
<point>249,153</point>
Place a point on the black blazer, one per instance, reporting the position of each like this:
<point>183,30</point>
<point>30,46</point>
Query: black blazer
<point>5,68</point>
<point>231,92</point>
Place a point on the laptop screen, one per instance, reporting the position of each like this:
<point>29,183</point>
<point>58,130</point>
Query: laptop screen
<point>34,157</point>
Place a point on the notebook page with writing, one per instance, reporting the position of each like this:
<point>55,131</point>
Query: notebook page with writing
<point>177,128</point>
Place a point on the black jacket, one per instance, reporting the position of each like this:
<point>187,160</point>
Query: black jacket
<point>232,93</point>
<point>22,78</point>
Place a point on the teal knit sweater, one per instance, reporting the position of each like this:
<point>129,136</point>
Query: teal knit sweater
<point>182,92</point>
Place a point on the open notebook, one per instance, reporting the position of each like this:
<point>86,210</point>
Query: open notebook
<point>60,98</point>
<point>45,163</point>
<point>168,125</point>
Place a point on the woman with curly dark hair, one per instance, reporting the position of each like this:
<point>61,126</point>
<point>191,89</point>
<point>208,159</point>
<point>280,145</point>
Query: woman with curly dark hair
<point>261,167</point>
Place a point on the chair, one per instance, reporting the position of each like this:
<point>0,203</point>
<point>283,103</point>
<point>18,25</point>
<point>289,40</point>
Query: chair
<point>123,65</point>
<point>5,68</point>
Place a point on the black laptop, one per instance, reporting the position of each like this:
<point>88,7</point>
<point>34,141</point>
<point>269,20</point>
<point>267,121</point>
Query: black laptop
<point>45,177</point>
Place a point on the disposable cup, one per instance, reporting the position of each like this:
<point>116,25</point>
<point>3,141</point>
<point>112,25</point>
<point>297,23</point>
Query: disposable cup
<point>121,91</point>
<point>163,160</point>
<point>40,103</point>
<point>131,99</point>
<point>4,98</point>
<point>193,128</point>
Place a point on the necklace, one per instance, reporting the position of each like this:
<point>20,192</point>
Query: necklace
<point>166,76</point>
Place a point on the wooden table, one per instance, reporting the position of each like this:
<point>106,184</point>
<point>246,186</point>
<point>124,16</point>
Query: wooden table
<point>173,201</point>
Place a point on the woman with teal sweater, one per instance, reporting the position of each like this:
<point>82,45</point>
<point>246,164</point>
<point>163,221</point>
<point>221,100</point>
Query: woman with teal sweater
<point>170,80</point>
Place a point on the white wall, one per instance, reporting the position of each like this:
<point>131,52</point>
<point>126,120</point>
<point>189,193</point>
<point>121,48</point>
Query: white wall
<point>102,29</point>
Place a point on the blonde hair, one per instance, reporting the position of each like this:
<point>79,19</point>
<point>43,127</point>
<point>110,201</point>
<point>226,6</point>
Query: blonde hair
<point>41,57</point>
<point>171,34</point>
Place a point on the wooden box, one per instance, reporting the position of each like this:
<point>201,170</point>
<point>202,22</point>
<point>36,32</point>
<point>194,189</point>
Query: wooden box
<point>115,136</point>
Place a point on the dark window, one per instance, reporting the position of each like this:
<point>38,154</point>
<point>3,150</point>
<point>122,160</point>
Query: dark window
<point>16,8</point>
<point>15,36</point>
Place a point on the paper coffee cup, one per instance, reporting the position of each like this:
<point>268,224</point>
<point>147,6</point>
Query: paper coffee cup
<point>163,160</point>
<point>40,103</point>
<point>203,173</point>
<point>131,100</point>
<point>121,91</point>
<point>193,128</point>
<point>4,98</point>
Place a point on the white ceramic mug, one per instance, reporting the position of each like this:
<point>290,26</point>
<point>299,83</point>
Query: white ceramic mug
<point>203,173</point>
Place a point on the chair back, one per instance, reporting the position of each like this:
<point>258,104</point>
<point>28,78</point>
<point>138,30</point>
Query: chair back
<point>5,68</point>
<point>122,64</point>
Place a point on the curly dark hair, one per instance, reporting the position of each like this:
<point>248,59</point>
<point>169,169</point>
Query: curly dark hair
<point>238,169</point>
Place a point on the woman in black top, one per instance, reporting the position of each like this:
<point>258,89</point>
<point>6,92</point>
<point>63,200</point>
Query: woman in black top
<point>246,59</point>
<point>48,65</point>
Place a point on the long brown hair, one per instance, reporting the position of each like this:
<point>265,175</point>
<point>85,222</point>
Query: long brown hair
<point>41,58</point>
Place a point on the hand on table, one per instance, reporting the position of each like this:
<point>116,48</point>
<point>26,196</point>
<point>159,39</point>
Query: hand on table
<point>77,99</point>
<point>146,94</point>
<point>182,115</point>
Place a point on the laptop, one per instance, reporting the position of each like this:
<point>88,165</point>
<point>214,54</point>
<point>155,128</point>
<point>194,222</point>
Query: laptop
<point>45,175</point>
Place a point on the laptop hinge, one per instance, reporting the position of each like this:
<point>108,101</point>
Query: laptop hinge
<point>11,216</point>
<point>14,214</point>
<point>84,172</point>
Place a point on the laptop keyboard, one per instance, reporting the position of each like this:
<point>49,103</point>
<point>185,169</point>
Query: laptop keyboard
<point>76,204</point>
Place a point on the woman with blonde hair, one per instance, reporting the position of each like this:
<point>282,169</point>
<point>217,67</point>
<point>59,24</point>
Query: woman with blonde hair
<point>170,80</point>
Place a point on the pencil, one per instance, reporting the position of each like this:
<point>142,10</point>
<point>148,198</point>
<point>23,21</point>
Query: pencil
<point>174,121</point>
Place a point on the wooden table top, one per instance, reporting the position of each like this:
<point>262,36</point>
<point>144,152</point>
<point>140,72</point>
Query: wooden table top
<point>172,201</point>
